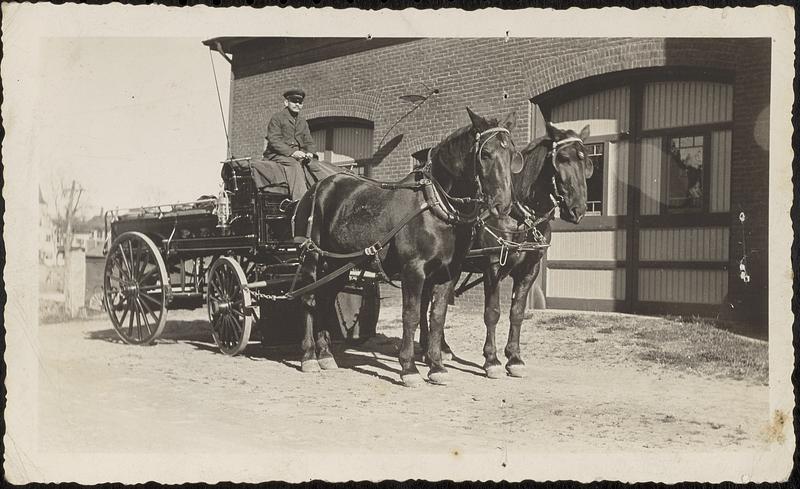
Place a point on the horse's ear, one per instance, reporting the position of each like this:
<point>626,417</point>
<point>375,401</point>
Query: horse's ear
<point>478,122</point>
<point>510,121</point>
<point>552,131</point>
<point>584,133</point>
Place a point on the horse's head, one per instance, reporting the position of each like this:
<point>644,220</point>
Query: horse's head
<point>555,173</point>
<point>571,167</point>
<point>496,158</point>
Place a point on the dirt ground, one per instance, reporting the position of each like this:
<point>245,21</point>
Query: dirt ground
<point>588,389</point>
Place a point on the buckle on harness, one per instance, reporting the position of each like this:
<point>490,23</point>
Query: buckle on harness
<point>373,250</point>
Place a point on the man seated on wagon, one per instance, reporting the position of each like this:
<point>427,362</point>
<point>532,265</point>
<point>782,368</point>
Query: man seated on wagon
<point>290,145</point>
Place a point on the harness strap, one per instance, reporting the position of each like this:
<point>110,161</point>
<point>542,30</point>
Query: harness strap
<point>371,250</point>
<point>357,257</point>
<point>324,280</point>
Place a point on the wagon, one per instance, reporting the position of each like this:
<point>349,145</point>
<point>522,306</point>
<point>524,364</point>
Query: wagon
<point>233,254</point>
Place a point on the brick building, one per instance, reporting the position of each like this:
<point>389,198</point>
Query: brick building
<point>662,237</point>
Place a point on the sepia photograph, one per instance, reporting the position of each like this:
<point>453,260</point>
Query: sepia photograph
<point>286,244</point>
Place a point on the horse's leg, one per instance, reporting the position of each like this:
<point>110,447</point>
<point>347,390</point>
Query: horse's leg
<point>413,279</point>
<point>425,301</point>
<point>523,281</point>
<point>441,293</point>
<point>491,315</point>
<point>308,274</point>
<point>447,352</point>
<point>326,301</point>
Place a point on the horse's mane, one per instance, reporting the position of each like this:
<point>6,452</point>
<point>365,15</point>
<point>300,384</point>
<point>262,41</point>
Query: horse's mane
<point>533,155</point>
<point>454,145</point>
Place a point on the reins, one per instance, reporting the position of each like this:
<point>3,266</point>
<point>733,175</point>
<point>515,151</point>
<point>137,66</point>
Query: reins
<point>437,200</point>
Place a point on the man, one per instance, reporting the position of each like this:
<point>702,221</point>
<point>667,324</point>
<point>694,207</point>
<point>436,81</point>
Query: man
<point>290,145</point>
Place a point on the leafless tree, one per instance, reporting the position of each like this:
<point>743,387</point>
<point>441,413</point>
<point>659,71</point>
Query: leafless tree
<point>67,202</point>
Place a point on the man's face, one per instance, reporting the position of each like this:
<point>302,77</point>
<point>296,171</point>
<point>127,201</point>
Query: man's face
<point>294,104</point>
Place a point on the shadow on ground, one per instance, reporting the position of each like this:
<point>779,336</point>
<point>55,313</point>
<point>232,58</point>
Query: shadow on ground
<point>375,357</point>
<point>174,331</point>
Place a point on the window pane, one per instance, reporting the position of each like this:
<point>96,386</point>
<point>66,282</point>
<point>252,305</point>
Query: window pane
<point>594,185</point>
<point>685,173</point>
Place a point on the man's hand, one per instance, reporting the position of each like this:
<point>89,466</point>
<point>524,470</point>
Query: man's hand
<point>298,155</point>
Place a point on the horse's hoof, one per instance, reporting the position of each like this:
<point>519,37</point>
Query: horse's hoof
<point>516,370</point>
<point>412,380</point>
<point>438,378</point>
<point>328,363</point>
<point>447,356</point>
<point>308,366</point>
<point>494,372</point>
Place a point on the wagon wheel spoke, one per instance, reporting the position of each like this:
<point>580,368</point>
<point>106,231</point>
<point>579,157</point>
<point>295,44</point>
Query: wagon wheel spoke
<point>153,301</point>
<point>133,262</point>
<point>148,288</point>
<point>225,333</point>
<point>149,274</point>
<point>225,330</point>
<point>130,319</point>
<point>143,265</point>
<point>237,326</point>
<point>216,283</point>
<point>125,262</point>
<point>124,312</point>
<point>226,280</point>
<point>144,316</point>
<point>119,266</point>
<point>143,305</point>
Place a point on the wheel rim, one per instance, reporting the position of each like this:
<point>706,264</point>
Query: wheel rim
<point>136,289</point>
<point>229,306</point>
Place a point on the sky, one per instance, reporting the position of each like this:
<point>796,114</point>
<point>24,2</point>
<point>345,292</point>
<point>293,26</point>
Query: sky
<point>135,121</point>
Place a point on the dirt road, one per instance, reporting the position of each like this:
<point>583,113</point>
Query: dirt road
<point>587,391</point>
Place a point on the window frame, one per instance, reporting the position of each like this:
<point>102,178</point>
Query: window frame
<point>604,140</point>
<point>683,132</point>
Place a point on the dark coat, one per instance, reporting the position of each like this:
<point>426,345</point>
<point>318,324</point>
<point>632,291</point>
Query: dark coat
<point>286,134</point>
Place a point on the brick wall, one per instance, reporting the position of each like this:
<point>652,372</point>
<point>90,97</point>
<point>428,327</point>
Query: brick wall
<point>494,77</point>
<point>750,178</point>
<point>491,76</point>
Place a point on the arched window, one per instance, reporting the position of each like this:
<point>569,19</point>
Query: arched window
<point>344,141</point>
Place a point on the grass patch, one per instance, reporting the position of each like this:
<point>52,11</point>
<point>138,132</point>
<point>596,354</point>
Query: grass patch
<point>699,345</point>
<point>684,343</point>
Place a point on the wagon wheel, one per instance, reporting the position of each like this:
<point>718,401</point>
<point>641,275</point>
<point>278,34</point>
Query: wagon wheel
<point>249,267</point>
<point>357,314</point>
<point>136,288</point>
<point>229,305</point>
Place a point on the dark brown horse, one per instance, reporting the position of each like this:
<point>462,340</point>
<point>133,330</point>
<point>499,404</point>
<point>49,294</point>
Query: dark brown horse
<point>554,176</point>
<point>419,229</point>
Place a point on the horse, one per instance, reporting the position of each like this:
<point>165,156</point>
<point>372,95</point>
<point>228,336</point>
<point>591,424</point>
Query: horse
<point>554,176</point>
<point>389,227</point>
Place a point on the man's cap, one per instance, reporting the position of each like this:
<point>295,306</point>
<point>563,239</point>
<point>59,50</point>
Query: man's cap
<point>294,93</point>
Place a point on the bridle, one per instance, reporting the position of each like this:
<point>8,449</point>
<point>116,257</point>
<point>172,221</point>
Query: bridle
<point>557,194</point>
<point>443,203</point>
<point>529,217</point>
